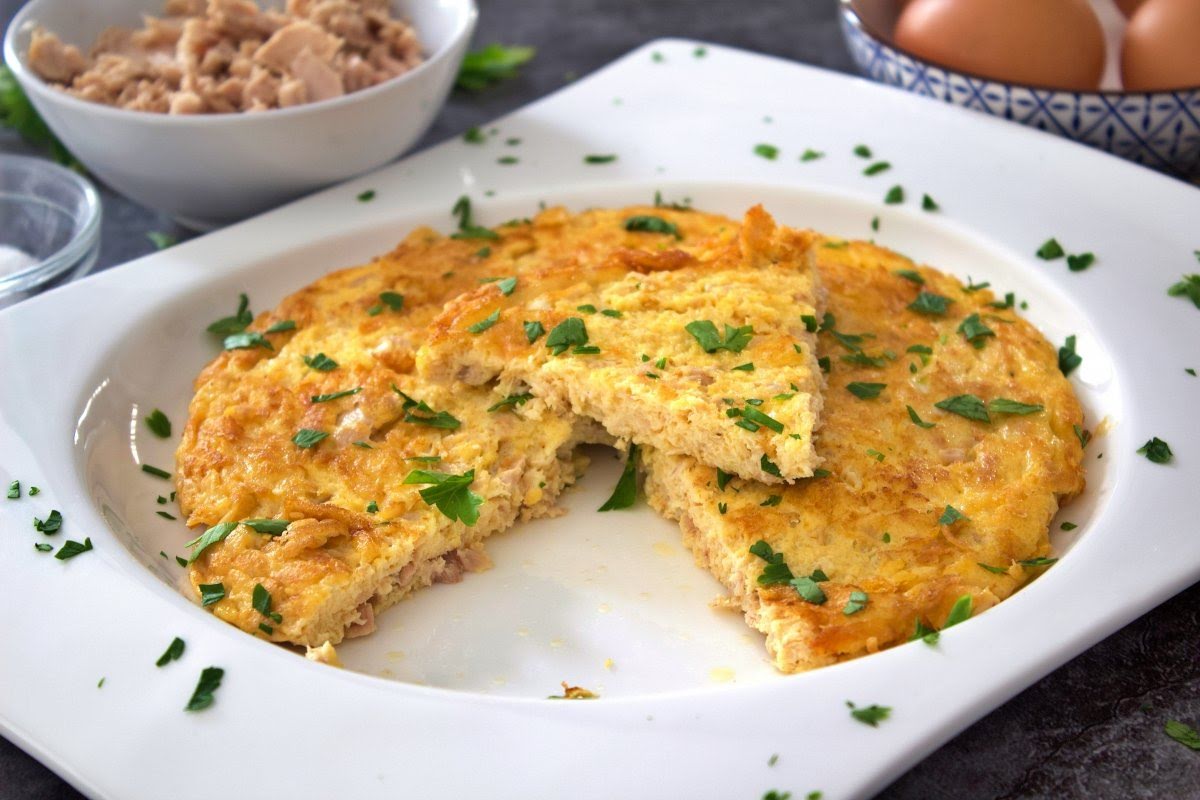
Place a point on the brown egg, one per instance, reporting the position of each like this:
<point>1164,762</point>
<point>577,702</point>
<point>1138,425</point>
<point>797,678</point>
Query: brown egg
<point>1161,48</point>
<point>1053,43</point>
<point>1129,6</point>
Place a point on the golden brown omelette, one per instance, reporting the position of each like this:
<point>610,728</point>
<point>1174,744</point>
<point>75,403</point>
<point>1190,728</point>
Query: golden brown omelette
<point>664,350</point>
<point>316,421</point>
<point>922,505</point>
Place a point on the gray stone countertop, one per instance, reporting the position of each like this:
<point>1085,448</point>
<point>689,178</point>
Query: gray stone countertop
<point>1091,729</point>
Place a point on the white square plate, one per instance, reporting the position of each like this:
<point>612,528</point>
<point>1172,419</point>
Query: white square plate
<point>689,707</point>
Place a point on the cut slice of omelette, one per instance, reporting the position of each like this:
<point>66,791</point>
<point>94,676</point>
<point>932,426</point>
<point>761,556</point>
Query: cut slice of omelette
<point>950,437</point>
<point>704,353</point>
<point>385,482</point>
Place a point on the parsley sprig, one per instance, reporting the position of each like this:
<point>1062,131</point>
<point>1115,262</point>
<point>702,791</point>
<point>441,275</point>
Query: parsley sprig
<point>706,335</point>
<point>450,493</point>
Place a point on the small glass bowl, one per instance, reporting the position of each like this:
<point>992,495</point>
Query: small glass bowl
<point>49,223</point>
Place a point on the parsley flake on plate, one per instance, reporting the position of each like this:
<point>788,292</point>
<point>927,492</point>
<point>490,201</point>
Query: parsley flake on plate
<point>862,151</point>
<point>600,159</point>
<point>489,65</point>
<point>173,652</point>
<point>1080,262</point>
<point>51,524</point>
<point>473,135</point>
<point>366,197</point>
<point>42,547</point>
<point>72,548</point>
<point>1050,250</point>
<point>237,323</point>
<point>467,229</point>
<point>14,490</point>
<point>450,493</point>
<point>1157,451</point>
<point>156,472</point>
<point>1068,359</point>
<point>894,196</point>
<point>1189,287</point>
<point>648,223</point>
<point>929,204</point>
<point>206,687</point>
<point>706,335</point>
<point>876,168</point>
<point>870,715</point>
<point>624,495</point>
<point>767,151</point>
<point>811,155</point>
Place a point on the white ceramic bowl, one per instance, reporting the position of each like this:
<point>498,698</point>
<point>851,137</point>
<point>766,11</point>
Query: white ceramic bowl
<point>208,170</point>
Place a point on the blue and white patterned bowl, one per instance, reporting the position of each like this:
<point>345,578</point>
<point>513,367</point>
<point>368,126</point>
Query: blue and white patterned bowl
<point>1158,129</point>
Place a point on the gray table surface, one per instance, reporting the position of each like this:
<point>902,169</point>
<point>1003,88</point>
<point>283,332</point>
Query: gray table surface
<point>1093,728</point>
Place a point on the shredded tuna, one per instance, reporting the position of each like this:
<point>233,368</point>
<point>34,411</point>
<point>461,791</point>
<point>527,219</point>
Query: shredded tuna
<point>226,56</point>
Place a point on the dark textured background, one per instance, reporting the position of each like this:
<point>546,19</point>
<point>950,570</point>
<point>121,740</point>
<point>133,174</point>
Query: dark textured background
<point>1092,729</point>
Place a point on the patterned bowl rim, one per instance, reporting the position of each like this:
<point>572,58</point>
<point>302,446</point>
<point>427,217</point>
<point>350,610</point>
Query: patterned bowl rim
<point>850,15</point>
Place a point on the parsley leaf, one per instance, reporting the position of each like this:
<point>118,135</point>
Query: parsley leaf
<point>862,151</point>
<point>160,240</point>
<point>392,300</point>
<point>156,472</point>
<point>1186,735</point>
<point>570,332</point>
<point>173,652</point>
<point>320,362</point>
<point>876,168</point>
<point>776,571</point>
<point>1068,359</point>
<point>990,568</point>
<point>473,135</point>
<point>306,438</point>
<point>599,159</point>
<point>206,687</point>
<point>929,204</point>
<point>272,527</point>
<point>418,412</point>
<point>72,548</point>
<point>975,331</point>
<point>511,401</point>
<point>466,228</point>
<point>1157,451</point>
<point>14,490</point>
<point>1040,561</point>
<point>211,593</point>
<point>767,151</point>
<point>237,323</point>
<point>485,323</point>
<point>723,479</point>
<point>533,330</point>
<point>492,64</point>
<point>769,466</point>
<point>51,524</point>
<point>325,398</point>
<point>871,715</point>
<point>625,493</point>
<point>1050,250</point>
<point>366,197</point>
<point>910,275</point>
<point>282,326</point>
<point>706,335</point>
<point>450,493</point>
<point>246,341</point>
<point>215,534</point>
<point>857,602</point>
<point>506,285</point>
<point>912,414</point>
<point>959,612</point>
<point>895,195</point>
<point>1080,262</point>
<point>865,391</point>
<point>930,304</point>
<point>646,223</point>
<point>808,589</point>
<point>1002,405</point>
<point>965,405</point>
<point>1189,287</point>
<point>952,515</point>
<point>811,155</point>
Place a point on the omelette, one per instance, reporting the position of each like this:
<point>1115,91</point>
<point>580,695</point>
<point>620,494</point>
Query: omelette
<point>950,437</point>
<point>710,354</point>
<point>328,480</point>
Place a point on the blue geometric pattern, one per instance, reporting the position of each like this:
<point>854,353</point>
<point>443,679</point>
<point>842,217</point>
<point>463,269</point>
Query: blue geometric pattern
<point>1159,129</point>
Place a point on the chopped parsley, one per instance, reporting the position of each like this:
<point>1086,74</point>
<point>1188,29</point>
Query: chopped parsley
<point>1068,359</point>
<point>965,405</point>
<point>282,326</point>
<point>372,507</point>
<point>306,438</point>
<point>508,160</point>
<point>51,524</point>
<point>776,571</point>
<point>1010,300</point>
<point>246,341</point>
<point>156,472</point>
<point>875,454</point>
<point>865,391</point>
<point>994,570</point>
<point>1002,405</point>
<point>43,547</point>
<point>211,593</point>
<point>206,687</point>
<point>1040,561</point>
<point>450,493</point>
<point>1068,526</point>
<point>912,414</point>
<point>599,159</point>
<point>1080,262</point>
<point>320,362</point>
<point>173,652</point>
<point>72,548</point>
<point>624,495</point>
<point>808,588</point>
<point>959,612</point>
<point>506,285</point>
<point>910,275</point>
<point>612,312</point>
<point>158,424</point>
<point>1157,451</point>
<point>894,196</point>
<point>871,715</point>
<point>165,515</point>
<point>14,490</point>
<point>392,300</point>
<point>952,515</point>
<point>570,332</point>
<point>511,401</point>
<point>217,533</point>
<point>931,304</point>
<point>811,155</point>
<point>34,491</point>
<point>485,323</point>
<point>768,466</point>
<point>647,223</point>
<point>466,228</point>
<point>747,367</point>
<point>160,240</point>
<point>367,196</point>
<point>723,479</point>
<point>1189,287</point>
<point>752,419</point>
<point>975,331</point>
<point>1084,436</point>
<point>929,204</point>
<point>261,602</point>
<point>1186,735</point>
<point>767,151</point>
<point>418,412</point>
<point>706,335</point>
<point>533,330</point>
<point>926,634</point>
<point>586,308</point>
<point>236,323</point>
<point>489,65</point>
<point>876,168</point>
<point>1050,250</point>
<point>473,135</point>
<point>862,151</point>
<point>863,360</point>
<point>857,602</point>
<point>772,501</point>
<point>325,398</point>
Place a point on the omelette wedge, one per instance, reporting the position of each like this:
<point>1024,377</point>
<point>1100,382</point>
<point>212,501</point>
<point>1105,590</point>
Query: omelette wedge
<point>709,353</point>
<point>950,438</point>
